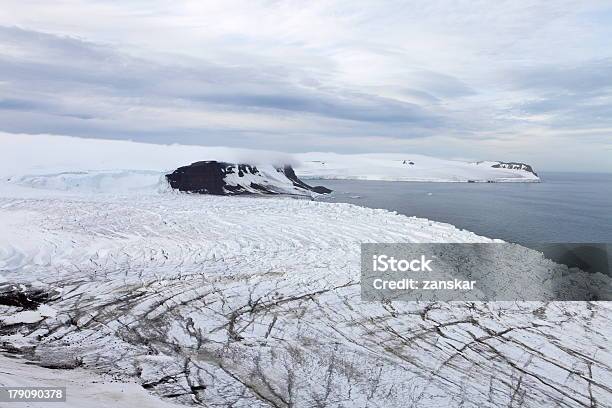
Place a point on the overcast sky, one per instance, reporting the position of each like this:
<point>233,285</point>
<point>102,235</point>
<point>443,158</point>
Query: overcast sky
<point>499,80</point>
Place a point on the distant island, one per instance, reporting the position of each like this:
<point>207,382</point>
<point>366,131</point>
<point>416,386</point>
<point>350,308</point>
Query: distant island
<point>410,167</point>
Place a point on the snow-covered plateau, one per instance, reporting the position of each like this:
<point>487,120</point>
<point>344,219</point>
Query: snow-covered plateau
<point>30,155</point>
<point>410,167</point>
<point>113,280</point>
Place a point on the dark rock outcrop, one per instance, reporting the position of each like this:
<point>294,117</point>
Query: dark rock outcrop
<point>221,178</point>
<point>290,174</point>
<point>206,177</point>
<point>26,297</point>
<point>515,166</point>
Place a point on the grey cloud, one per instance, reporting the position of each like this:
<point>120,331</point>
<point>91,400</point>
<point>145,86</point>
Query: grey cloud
<point>31,105</point>
<point>74,67</point>
<point>420,95</point>
<point>364,108</point>
<point>20,104</point>
<point>48,44</point>
<point>573,96</point>
<point>588,77</point>
<point>37,122</point>
<point>443,85</point>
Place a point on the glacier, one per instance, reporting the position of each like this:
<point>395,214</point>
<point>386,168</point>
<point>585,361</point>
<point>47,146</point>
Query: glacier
<point>255,301</point>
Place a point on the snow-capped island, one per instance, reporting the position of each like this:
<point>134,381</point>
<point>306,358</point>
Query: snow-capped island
<point>410,167</point>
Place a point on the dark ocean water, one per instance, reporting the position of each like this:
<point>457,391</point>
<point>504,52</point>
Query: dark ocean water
<point>564,207</point>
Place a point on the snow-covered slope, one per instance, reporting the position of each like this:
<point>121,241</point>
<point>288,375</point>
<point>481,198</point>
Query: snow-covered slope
<point>85,389</point>
<point>408,167</point>
<point>256,302</point>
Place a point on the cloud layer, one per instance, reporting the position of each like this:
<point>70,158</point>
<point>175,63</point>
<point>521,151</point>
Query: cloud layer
<point>515,80</point>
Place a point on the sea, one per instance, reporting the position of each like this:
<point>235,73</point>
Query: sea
<point>563,208</point>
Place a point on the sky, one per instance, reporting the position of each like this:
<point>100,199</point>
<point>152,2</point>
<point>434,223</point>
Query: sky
<point>513,80</point>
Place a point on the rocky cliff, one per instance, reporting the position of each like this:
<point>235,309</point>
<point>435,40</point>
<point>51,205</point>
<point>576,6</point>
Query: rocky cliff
<point>221,178</point>
<point>515,166</point>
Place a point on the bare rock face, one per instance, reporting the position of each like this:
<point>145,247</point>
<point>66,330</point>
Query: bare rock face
<point>221,178</point>
<point>515,166</point>
<point>290,174</point>
<point>22,296</point>
<point>207,177</point>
